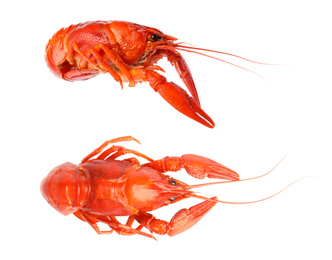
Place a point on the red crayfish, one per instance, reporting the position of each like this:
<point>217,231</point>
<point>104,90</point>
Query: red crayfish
<point>98,190</point>
<point>128,52</point>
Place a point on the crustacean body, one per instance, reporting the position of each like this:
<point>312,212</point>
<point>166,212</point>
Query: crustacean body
<point>99,189</point>
<point>128,52</point>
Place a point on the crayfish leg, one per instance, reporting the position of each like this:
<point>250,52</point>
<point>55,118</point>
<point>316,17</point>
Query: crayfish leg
<point>101,65</point>
<point>105,144</point>
<point>113,223</point>
<point>91,221</point>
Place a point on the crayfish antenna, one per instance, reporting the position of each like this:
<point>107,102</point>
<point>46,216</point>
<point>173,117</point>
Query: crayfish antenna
<point>247,202</point>
<point>253,178</point>
<point>190,49</point>
<point>226,53</point>
<point>230,63</point>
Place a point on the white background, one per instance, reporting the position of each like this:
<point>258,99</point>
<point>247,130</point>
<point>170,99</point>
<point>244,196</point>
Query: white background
<point>47,121</point>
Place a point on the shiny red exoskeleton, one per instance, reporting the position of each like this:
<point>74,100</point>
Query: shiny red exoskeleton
<point>129,53</point>
<point>99,189</point>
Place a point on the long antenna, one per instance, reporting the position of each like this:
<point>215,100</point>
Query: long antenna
<point>247,202</point>
<point>225,53</point>
<point>212,57</point>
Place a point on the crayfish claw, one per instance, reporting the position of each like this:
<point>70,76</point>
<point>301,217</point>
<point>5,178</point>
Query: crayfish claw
<point>180,100</point>
<point>201,167</point>
<point>197,166</point>
<point>181,221</point>
<point>186,218</point>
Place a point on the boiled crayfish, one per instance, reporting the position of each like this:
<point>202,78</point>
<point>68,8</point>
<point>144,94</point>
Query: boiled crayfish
<point>99,189</point>
<point>128,52</point>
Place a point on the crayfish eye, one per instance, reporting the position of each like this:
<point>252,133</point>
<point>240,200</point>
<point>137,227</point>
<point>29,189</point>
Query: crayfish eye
<point>172,182</point>
<point>172,198</point>
<point>154,37</point>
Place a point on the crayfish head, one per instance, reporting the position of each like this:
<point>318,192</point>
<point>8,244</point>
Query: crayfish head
<point>138,42</point>
<point>65,188</point>
<point>148,189</point>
